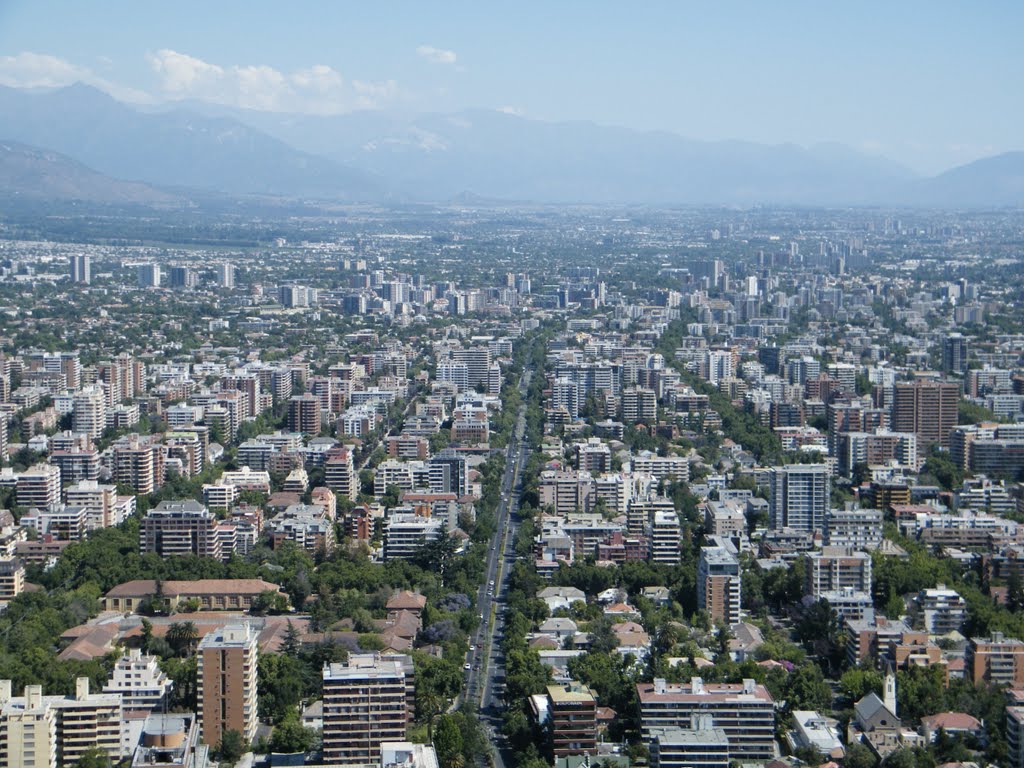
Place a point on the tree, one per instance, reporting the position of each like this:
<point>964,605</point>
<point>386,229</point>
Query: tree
<point>182,637</point>
<point>858,756</point>
<point>231,746</point>
<point>291,645</point>
<point>291,736</point>
<point>94,757</point>
<point>447,740</point>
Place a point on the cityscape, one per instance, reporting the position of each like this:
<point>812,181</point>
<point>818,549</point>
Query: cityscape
<point>475,439</point>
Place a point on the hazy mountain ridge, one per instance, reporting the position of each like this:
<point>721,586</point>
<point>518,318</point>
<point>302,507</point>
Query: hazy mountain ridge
<point>375,156</point>
<point>179,148</point>
<point>38,174</point>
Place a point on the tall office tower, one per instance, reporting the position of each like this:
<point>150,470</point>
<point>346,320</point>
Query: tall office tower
<point>304,414</point>
<point>719,583</point>
<point>926,408</point>
<point>81,268</point>
<point>954,353</point>
<point>149,275</point>
<point>798,496</point>
<point>228,659</point>
<point>226,275</point>
<point>90,412</point>
<point>364,705</point>
<point>182,277</point>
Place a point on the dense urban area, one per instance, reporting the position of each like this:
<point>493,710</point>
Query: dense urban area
<point>475,487</point>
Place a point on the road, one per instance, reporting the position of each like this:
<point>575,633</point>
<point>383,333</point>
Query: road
<point>487,672</point>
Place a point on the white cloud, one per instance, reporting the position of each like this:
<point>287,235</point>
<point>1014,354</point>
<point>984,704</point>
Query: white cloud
<point>436,55</point>
<point>41,70</point>
<point>319,89</point>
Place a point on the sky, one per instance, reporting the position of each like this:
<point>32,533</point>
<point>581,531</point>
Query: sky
<point>928,84</point>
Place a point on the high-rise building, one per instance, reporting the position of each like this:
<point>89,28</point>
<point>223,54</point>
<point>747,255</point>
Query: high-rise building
<point>90,412</point>
<point>149,276</point>
<point>51,731</point>
<point>926,408</point>
<point>834,569</point>
<point>340,474</point>
<point>38,486</point>
<point>180,528</point>
<point>138,464</point>
<point>80,268</point>
<point>29,729</point>
<point>996,660</point>
<point>227,679</point>
<point>665,535</point>
<point>226,275</point>
<point>719,583</point>
<point>954,353</point>
<point>572,719</point>
<point>449,473</point>
<point>798,497</point>
<point>182,277</point>
<point>304,414</point>
<point>364,704</point>
<point>639,405</point>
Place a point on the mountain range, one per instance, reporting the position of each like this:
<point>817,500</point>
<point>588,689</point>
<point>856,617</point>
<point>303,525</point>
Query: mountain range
<point>196,149</point>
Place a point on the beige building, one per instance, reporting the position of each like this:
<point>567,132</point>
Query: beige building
<point>38,730</point>
<point>212,594</point>
<point>228,659</point>
<point>12,579</point>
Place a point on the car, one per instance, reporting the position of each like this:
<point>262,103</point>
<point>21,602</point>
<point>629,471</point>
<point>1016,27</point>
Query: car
<point>472,647</point>
<point>467,666</point>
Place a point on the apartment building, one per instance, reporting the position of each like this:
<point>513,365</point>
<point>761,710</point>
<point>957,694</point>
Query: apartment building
<point>175,528</point>
<point>227,679</point>
<point>745,712</point>
<point>364,705</point>
<point>139,681</point>
<point>996,660</point>
<point>719,583</point>
<point>835,569</point>
<point>799,496</point>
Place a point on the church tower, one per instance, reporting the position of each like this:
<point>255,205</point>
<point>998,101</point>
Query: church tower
<point>890,689</point>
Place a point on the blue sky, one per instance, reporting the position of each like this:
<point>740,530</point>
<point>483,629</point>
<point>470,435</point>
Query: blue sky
<point>930,84</point>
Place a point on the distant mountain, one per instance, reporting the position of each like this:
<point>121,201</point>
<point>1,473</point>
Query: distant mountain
<point>499,155</point>
<point>29,173</point>
<point>176,149</point>
<point>997,180</point>
<point>472,155</point>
